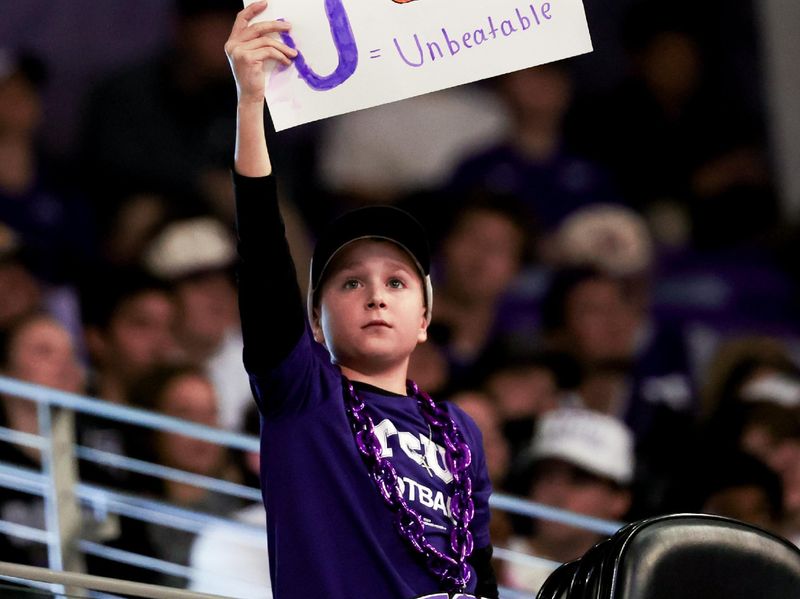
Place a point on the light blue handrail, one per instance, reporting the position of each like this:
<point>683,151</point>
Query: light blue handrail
<point>122,504</point>
<point>154,511</point>
<point>23,479</point>
<point>157,470</point>
<point>136,559</point>
<point>22,531</point>
<point>19,438</point>
<point>524,507</point>
<point>105,409</point>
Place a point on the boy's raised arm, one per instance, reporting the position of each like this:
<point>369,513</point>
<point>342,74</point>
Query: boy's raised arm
<point>251,51</point>
<point>266,275</point>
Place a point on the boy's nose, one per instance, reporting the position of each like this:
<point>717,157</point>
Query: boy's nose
<point>376,301</point>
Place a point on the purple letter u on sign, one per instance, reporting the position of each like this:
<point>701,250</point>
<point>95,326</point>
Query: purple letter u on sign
<point>343,40</point>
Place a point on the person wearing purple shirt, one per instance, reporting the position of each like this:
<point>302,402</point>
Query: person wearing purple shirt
<point>538,161</point>
<point>371,488</point>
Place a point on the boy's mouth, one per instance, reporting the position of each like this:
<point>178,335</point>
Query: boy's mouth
<point>377,323</point>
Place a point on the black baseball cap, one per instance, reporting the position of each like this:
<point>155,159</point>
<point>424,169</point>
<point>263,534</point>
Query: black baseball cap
<point>372,222</point>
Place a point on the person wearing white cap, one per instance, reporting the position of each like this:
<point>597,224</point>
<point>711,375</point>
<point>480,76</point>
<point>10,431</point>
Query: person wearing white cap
<point>578,460</point>
<point>196,256</point>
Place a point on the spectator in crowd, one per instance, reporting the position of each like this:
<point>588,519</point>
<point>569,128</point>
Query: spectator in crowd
<point>739,362</point>
<point>196,257</point>
<point>740,486</point>
<point>128,317</point>
<point>479,259</point>
<point>37,200</point>
<point>187,393</point>
<point>39,350</point>
<point>23,293</point>
<point>686,151</point>
<point>612,238</point>
<point>39,203</point>
<point>771,432</point>
<point>525,386</point>
<point>164,125</point>
<point>754,406</point>
<point>36,349</point>
<point>633,368</point>
<point>535,162</point>
<point>429,365</point>
<point>480,407</point>
<point>136,221</point>
<point>681,150</point>
<point>588,312</point>
<point>230,561</point>
<point>579,460</point>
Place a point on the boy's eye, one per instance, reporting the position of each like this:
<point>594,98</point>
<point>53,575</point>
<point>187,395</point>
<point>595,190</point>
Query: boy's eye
<point>396,283</point>
<point>351,284</point>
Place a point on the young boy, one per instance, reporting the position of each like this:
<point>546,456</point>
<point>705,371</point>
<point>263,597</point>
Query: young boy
<point>371,489</point>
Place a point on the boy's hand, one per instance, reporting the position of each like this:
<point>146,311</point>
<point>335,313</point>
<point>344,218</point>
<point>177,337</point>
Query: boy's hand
<point>250,50</point>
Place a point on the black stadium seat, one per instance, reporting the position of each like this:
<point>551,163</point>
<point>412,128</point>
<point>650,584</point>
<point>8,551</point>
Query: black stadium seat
<point>682,556</point>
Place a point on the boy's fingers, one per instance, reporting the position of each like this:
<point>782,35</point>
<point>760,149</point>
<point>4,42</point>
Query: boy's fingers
<point>247,13</point>
<point>268,42</point>
<point>281,47</point>
<point>271,26</point>
<point>265,27</point>
<point>267,52</point>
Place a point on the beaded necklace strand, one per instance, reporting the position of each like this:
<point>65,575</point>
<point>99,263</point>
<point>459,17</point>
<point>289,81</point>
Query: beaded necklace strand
<point>452,571</point>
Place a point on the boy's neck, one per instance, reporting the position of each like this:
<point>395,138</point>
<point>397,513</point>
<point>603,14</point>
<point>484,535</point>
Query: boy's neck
<point>394,380</point>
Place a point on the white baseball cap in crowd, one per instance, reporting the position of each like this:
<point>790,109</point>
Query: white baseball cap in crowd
<point>611,237</point>
<point>190,246</point>
<point>592,441</point>
<point>780,389</point>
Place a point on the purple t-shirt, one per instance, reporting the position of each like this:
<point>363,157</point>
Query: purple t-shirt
<point>330,534</point>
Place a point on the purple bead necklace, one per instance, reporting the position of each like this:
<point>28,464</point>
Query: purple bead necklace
<point>452,571</point>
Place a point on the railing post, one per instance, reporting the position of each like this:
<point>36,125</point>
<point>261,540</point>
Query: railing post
<point>62,512</point>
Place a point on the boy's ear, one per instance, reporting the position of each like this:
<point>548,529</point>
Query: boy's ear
<point>422,336</point>
<point>316,326</point>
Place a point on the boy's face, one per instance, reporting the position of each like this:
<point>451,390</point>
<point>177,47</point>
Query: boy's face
<point>371,311</point>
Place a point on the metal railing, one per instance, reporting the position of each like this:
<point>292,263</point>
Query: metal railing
<point>79,582</point>
<point>64,495</point>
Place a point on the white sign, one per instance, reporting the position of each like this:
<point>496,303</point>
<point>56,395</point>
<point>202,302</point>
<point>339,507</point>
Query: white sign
<point>355,54</point>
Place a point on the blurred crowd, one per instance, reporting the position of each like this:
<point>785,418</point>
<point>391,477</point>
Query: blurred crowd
<point>616,303</point>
